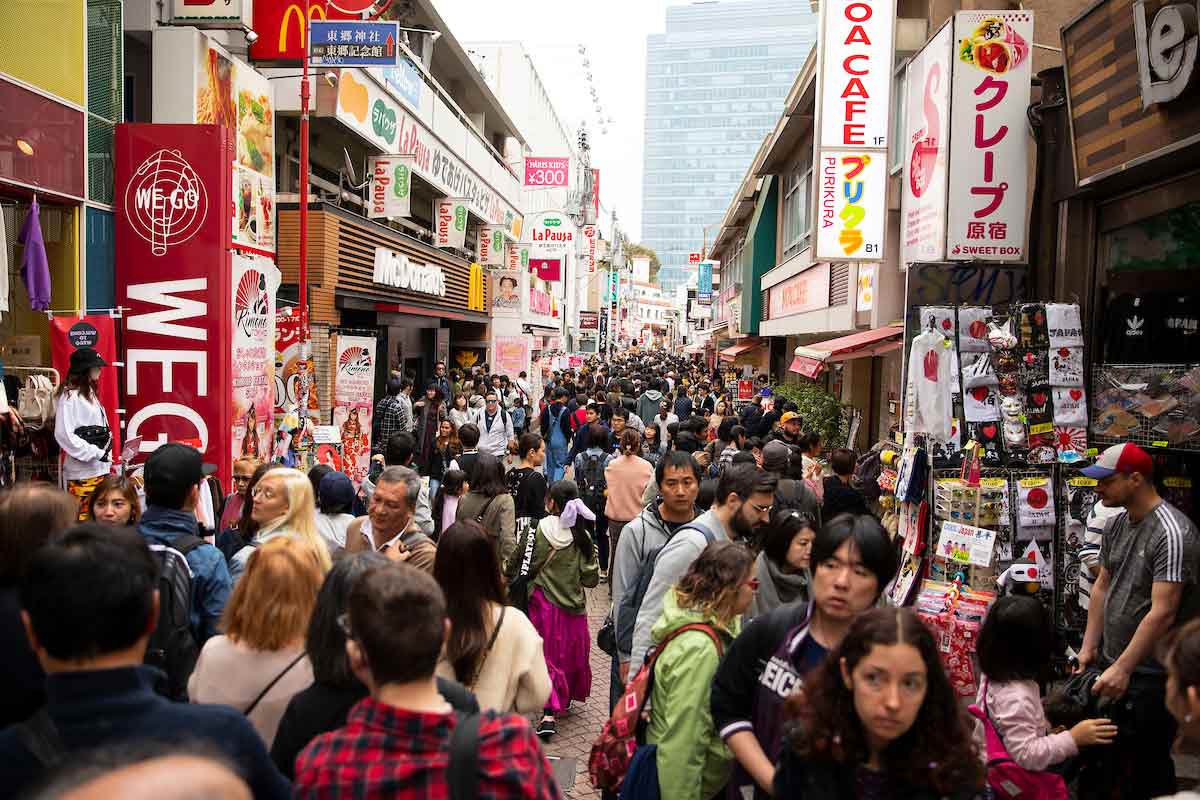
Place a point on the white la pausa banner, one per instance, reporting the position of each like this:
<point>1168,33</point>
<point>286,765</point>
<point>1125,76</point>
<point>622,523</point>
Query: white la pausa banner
<point>989,138</point>
<point>490,246</point>
<point>450,222</point>
<point>926,151</point>
<point>390,188</point>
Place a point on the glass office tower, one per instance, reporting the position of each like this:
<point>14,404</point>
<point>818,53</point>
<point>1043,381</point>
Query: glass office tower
<point>715,86</point>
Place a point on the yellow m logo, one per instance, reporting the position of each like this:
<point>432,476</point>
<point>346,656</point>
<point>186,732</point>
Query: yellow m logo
<point>475,299</point>
<point>314,10</point>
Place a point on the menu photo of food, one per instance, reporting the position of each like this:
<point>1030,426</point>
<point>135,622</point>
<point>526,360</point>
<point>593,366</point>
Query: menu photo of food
<point>994,46</point>
<point>214,87</point>
<point>255,123</point>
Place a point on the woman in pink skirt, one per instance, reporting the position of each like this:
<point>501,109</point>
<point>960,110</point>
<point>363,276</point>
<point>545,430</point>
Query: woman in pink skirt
<point>564,558</point>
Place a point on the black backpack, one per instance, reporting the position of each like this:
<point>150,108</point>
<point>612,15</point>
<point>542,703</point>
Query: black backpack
<point>866,474</point>
<point>173,647</point>
<point>631,601</point>
<point>593,486</point>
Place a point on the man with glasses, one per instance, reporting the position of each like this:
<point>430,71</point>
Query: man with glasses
<point>743,503</point>
<point>495,426</point>
<point>442,381</point>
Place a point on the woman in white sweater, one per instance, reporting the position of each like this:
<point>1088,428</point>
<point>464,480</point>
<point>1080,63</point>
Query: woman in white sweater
<point>81,428</point>
<point>493,649</point>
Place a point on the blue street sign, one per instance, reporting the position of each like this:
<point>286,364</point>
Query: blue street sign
<point>351,43</point>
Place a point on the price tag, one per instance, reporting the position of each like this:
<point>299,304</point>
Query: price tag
<point>1160,443</point>
<point>1045,427</point>
<point>1030,483</point>
<point>1082,481</point>
<point>1177,483</point>
<point>1091,451</point>
<point>899,438</point>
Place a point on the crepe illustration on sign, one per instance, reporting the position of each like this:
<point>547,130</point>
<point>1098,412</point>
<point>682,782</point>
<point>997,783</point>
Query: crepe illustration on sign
<point>993,47</point>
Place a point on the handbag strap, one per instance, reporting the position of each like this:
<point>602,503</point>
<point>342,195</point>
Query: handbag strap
<point>487,649</point>
<point>271,685</point>
<point>462,774</point>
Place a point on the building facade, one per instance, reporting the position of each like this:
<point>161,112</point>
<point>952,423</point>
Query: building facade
<point>714,84</point>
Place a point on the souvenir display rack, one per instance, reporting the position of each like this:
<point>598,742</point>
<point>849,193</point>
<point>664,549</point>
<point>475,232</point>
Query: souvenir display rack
<point>1155,406</point>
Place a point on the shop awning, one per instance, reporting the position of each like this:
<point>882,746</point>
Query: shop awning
<point>730,353</point>
<point>812,358</point>
<point>695,348</point>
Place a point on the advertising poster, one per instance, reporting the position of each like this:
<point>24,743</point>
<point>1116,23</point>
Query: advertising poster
<point>391,186</point>
<point>510,354</point>
<point>926,152</point>
<point>354,401</point>
<point>68,334</point>
<point>451,223</point>
<point>852,207</point>
<point>550,234</point>
<point>590,235</point>
<point>173,276</point>
<point>865,300</point>
<point>287,365</point>
<point>546,173</point>
<point>490,245</point>
<point>989,139</point>
<point>704,282</point>
<point>252,369</point>
<point>506,294</point>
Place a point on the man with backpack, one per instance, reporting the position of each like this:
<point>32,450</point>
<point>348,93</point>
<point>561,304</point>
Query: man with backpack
<point>593,485</point>
<point>677,478</point>
<point>192,595</point>
<point>555,425</point>
<point>90,607</point>
<point>404,740</point>
<point>495,426</point>
<point>791,494</point>
<point>743,503</point>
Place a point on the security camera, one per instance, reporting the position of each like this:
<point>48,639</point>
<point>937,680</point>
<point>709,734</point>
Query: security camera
<point>251,36</point>
<point>331,78</point>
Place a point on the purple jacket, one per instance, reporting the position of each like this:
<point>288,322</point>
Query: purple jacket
<point>35,269</point>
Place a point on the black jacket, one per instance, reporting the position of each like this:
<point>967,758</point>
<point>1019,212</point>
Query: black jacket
<point>22,681</point>
<point>841,498</point>
<point>823,780</point>
<point>322,708</point>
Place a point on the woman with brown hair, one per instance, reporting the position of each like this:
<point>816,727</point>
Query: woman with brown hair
<point>711,597</point>
<point>259,662</point>
<point>31,514</point>
<point>236,501</point>
<point>81,428</point>
<point>493,649</point>
<point>115,501</point>
<point>879,719</point>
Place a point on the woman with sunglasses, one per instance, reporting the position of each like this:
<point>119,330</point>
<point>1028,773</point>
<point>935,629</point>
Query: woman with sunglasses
<point>783,567</point>
<point>712,595</point>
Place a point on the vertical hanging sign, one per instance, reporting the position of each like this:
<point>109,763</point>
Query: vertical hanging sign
<point>354,401</point>
<point>925,151</point>
<point>255,282</point>
<point>450,222</point>
<point>490,245</point>
<point>391,186</point>
<point>590,235</point>
<point>854,90</point>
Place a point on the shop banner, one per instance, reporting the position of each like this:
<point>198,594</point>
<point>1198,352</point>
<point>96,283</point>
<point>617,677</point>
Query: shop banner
<point>989,142</point>
<point>281,29</point>
<point>596,191</point>
<point>68,334</point>
<point>506,293</point>
<point>546,173</point>
<point>704,282</point>
<point>602,331</point>
<point>550,234</point>
<point>172,192</point>
<point>252,368</point>
<point>926,151</point>
<point>516,257</point>
<point>354,401</point>
<point>451,220</point>
<point>808,291</point>
<point>390,189</point>
<point>288,365</point>
<point>853,97</point>
<point>510,354</point>
<point>547,269</point>
<point>590,235</point>
<point>866,287</point>
<point>745,390</point>
<point>589,320</point>
<point>490,249</point>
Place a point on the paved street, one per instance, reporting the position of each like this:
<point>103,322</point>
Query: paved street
<point>581,725</point>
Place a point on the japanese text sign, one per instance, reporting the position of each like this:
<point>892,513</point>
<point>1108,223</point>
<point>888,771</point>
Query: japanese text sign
<point>989,142</point>
<point>854,90</point>
<point>966,544</point>
<point>391,185</point>
<point>590,235</point>
<point>926,150</point>
<point>353,43</point>
<point>546,172</point>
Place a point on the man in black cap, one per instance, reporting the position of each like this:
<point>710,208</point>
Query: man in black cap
<point>172,481</point>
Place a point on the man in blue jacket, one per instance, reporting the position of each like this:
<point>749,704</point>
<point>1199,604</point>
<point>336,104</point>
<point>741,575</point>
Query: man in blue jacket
<point>172,480</point>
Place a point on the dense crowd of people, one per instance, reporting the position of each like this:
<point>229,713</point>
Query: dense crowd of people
<point>422,634</point>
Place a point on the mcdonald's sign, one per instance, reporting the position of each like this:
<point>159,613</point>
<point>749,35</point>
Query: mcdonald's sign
<point>281,27</point>
<point>475,298</point>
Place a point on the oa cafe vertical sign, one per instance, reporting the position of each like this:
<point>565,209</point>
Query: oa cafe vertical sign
<point>854,88</point>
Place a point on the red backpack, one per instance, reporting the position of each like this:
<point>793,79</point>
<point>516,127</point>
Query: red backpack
<point>613,751</point>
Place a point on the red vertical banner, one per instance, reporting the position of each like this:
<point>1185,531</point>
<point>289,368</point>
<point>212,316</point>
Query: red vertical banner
<point>68,334</point>
<point>596,191</point>
<point>174,213</point>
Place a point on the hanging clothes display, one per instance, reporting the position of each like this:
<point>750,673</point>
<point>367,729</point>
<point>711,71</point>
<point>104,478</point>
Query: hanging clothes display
<point>35,267</point>
<point>929,366</point>
<point>4,258</point>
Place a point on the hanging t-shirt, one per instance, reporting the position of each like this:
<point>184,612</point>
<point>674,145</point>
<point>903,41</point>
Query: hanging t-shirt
<point>1070,405</point>
<point>1063,325</point>
<point>981,404</point>
<point>1129,322</point>
<point>988,435</point>
<point>929,364</point>
<point>1066,366</point>
<point>1035,502</point>
<point>973,329</point>
<point>977,370</point>
<point>1070,443</point>
<point>1033,365</point>
<point>1180,336</point>
<point>1031,326</point>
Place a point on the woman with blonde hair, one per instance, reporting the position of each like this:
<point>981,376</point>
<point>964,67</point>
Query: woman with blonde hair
<point>282,504</point>
<point>259,663</point>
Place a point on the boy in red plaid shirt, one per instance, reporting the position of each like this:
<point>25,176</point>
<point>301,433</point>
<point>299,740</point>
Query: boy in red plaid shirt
<point>396,742</point>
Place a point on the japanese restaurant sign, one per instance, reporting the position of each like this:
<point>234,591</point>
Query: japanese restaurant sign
<point>390,187</point>
<point>926,150</point>
<point>989,142</point>
<point>450,222</point>
<point>808,291</point>
<point>854,88</point>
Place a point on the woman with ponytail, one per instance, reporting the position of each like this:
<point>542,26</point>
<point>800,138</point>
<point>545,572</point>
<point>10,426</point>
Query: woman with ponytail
<point>626,476</point>
<point>564,558</point>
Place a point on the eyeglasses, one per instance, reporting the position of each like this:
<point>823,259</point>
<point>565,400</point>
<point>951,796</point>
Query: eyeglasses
<point>760,509</point>
<point>264,492</point>
<point>242,478</point>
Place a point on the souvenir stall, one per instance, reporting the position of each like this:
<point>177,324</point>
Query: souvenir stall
<point>986,488</point>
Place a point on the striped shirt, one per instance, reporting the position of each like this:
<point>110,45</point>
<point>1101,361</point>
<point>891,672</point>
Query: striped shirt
<point>1089,551</point>
<point>1163,547</point>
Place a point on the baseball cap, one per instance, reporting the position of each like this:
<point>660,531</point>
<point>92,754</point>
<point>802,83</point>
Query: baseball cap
<point>337,490</point>
<point>1124,458</point>
<point>175,465</point>
<point>775,456</point>
<point>788,416</point>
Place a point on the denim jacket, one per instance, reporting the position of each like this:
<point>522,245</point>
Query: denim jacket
<point>211,583</point>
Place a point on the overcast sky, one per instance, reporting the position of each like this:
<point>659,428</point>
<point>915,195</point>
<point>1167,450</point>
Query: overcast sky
<point>614,33</point>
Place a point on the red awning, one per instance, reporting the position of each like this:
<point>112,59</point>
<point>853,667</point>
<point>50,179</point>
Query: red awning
<point>812,358</point>
<point>730,353</point>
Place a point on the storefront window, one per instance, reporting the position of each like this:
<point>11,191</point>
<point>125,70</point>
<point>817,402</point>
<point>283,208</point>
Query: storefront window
<point>796,217</point>
<point>1166,241</point>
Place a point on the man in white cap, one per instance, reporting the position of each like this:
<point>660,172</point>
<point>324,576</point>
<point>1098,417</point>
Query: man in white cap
<point>1149,568</point>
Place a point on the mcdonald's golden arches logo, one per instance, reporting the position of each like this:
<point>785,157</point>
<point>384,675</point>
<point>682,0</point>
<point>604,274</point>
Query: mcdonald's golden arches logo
<point>475,299</point>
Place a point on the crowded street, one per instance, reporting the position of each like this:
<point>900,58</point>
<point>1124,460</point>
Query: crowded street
<point>664,400</point>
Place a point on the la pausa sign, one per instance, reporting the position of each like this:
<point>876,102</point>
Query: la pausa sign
<point>551,233</point>
<point>395,270</point>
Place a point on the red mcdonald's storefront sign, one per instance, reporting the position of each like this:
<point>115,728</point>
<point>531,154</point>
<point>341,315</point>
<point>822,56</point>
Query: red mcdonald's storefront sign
<point>281,29</point>
<point>173,198</point>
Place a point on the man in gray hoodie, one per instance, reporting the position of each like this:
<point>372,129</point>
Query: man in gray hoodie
<point>743,503</point>
<point>677,477</point>
<point>647,407</point>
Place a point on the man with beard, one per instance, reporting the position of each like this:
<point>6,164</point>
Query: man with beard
<point>788,431</point>
<point>745,496</point>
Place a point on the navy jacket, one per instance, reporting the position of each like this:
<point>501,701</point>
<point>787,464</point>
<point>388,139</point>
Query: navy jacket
<point>103,707</point>
<point>211,581</point>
